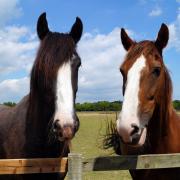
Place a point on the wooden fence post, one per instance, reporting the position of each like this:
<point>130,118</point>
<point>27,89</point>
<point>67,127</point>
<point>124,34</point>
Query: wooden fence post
<point>74,166</point>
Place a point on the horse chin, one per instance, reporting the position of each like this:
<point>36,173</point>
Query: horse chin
<point>62,139</point>
<point>65,139</point>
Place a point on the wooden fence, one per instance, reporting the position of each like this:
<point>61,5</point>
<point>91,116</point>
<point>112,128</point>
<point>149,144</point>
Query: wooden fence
<point>76,164</point>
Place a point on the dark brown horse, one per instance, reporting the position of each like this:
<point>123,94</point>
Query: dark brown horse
<point>44,121</point>
<point>147,124</point>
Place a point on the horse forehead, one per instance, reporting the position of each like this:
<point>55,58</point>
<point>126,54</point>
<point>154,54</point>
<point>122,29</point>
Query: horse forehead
<point>135,70</point>
<point>134,65</point>
<point>145,48</point>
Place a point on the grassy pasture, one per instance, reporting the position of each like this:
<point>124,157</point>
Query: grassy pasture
<point>88,142</point>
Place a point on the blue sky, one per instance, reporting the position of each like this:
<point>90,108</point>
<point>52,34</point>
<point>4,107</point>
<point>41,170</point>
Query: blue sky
<point>100,47</point>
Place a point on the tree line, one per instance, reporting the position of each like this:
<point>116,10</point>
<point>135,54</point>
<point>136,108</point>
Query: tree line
<point>100,105</point>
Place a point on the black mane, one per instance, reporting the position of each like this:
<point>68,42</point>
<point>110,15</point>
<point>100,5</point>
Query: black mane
<point>54,50</point>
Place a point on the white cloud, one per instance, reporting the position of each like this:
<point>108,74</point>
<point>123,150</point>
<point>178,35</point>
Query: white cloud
<point>16,50</point>
<point>157,11</point>
<point>99,77</point>
<point>101,56</point>
<point>174,29</point>
<point>13,89</point>
<point>9,9</point>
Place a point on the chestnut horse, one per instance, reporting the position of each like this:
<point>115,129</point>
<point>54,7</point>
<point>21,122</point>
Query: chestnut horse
<point>147,124</point>
<point>42,123</point>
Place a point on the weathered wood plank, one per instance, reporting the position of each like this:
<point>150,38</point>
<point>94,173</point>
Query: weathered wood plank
<point>30,170</point>
<point>158,161</point>
<point>154,161</point>
<point>32,162</point>
<point>109,163</point>
<point>30,166</point>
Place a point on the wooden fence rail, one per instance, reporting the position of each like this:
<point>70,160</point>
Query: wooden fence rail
<point>76,164</point>
<point>150,161</point>
<point>30,166</point>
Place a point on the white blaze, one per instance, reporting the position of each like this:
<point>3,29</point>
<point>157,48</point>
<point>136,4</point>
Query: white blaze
<point>129,113</point>
<point>64,96</point>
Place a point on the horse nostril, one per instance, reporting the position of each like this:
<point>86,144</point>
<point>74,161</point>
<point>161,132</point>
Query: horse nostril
<point>134,134</point>
<point>56,125</point>
<point>135,129</point>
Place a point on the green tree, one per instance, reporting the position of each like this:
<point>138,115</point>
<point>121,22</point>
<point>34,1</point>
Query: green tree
<point>99,106</point>
<point>176,104</point>
<point>10,104</point>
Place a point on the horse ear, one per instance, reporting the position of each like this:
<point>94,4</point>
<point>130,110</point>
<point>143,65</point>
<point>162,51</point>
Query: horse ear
<point>42,26</point>
<point>76,30</point>
<point>162,38</point>
<point>126,40</point>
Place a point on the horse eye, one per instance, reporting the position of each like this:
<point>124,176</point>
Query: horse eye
<point>151,98</point>
<point>156,57</point>
<point>156,71</point>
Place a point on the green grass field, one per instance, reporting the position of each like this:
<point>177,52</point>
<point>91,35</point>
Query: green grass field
<point>88,141</point>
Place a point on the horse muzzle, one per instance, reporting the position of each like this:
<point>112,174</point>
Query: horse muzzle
<point>65,132</point>
<point>133,135</point>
